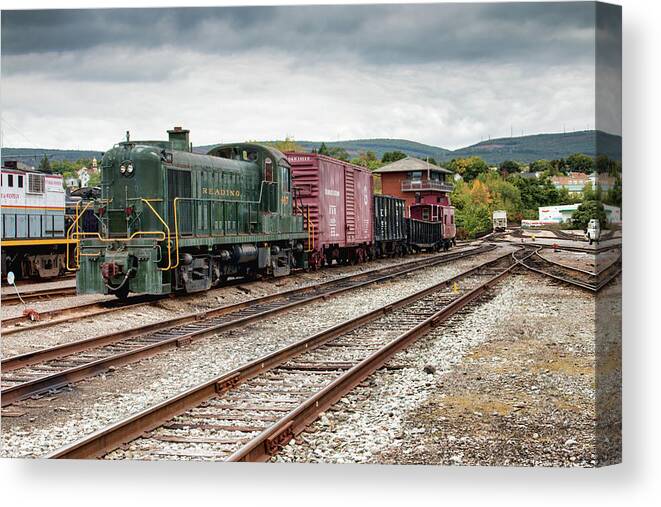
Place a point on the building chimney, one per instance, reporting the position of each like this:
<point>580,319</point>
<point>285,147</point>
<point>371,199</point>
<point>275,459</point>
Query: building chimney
<point>179,139</point>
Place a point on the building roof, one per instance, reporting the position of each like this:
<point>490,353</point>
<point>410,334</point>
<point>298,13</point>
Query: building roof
<point>411,164</point>
<point>573,179</point>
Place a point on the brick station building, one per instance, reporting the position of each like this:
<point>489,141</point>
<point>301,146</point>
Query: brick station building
<point>416,181</point>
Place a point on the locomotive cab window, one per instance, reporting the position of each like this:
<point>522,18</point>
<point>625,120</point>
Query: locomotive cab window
<point>268,169</point>
<point>250,155</point>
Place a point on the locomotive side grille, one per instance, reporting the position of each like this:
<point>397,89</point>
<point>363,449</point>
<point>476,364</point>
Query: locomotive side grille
<point>35,184</point>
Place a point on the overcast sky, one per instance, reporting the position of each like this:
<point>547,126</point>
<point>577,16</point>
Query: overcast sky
<point>448,74</point>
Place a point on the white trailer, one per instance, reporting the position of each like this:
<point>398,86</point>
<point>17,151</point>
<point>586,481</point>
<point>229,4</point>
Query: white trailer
<point>593,231</point>
<point>499,220</point>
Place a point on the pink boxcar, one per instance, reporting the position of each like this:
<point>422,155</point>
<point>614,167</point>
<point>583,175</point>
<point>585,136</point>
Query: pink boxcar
<point>336,198</point>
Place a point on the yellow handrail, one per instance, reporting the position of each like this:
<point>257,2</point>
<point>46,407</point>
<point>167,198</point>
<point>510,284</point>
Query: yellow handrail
<point>168,240</point>
<point>161,236</point>
<point>75,222</point>
<point>176,232</point>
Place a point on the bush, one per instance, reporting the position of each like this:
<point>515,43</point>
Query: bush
<point>586,212</point>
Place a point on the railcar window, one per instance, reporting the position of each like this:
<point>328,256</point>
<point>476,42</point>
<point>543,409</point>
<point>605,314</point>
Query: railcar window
<point>10,180</point>
<point>20,182</point>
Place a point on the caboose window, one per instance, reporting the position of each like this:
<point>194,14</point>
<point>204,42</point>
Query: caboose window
<point>10,180</point>
<point>35,183</point>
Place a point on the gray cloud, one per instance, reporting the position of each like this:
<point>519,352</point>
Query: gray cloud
<point>446,74</point>
<point>381,34</point>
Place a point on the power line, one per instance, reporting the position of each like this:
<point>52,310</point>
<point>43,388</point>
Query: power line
<point>4,121</point>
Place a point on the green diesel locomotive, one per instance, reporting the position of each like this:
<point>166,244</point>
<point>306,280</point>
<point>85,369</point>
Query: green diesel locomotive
<point>173,220</point>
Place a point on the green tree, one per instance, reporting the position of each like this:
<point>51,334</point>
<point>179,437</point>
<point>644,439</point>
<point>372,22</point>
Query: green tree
<point>542,166</point>
<point>508,167</point>
<point>367,159</point>
<point>44,165</point>
<point>288,145</point>
<point>535,192</point>
<point>614,195</point>
<point>586,212</point>
<point>95,179</point>
<point>392,156</point>
<point>339,153</point>
<point>580,163</point>
<point>559,166</point>
<point>323,149</point>
<point>469,168</point>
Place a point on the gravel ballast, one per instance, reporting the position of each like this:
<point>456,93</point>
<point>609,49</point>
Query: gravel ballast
<point>54,421</point>
<point>510,382</point>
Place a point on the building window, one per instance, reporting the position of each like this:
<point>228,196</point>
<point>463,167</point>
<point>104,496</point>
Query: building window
<point>20,181</point>
<point>415,175</point>
<point>10,180</point>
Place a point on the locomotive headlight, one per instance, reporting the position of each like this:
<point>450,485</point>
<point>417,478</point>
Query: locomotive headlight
<point>122,168</point>
<point>129,169</point>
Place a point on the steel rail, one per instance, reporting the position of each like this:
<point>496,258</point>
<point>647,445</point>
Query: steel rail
<point>574,268</point>
<point>37,294</point>
<point>192,327</point>
<point>58,316</point>
<point>115,435</point>
<point>81,311</point>
<point>600,281</point>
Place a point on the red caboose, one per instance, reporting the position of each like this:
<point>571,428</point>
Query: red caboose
<point>336,201</point>
<point>431,226</point>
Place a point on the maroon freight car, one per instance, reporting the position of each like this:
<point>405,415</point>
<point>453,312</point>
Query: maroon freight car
<point>336,199</point>
<point>436,213</point>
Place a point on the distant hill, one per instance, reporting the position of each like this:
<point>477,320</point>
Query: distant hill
<point>544,146</point>
<point>32,156</point>
<point>493,151</point>
<point>378,146</point>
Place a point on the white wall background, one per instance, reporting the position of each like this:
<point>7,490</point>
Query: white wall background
<point>636,482</point>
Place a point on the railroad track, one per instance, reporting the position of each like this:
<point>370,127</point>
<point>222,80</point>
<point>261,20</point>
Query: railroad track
<point>57,316</point>
<point>249,413</point>
<point>49,369</point>
<point>13,298</point>
<point>49,318</point>
<point>584,279</point>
